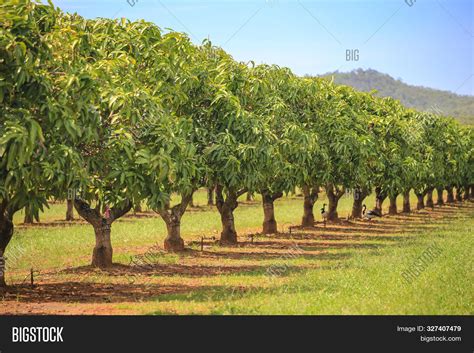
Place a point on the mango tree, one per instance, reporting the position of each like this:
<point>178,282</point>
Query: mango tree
<point>304,151</point>
<point>361,108</point>
<point>175,72</point>
<point>453,152</point>
<point>240,143</point>
<point>342,128</point>
<point>464,162</point>
<point>423,173</point>
<point>35,102</point>
<point>110,180</point>
<point>293,158</point>
<point>391,134</point>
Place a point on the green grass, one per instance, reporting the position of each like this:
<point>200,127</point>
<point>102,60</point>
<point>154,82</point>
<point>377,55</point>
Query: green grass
<point>336,271</point>
<point>371,283</point>
<point>72,245</point>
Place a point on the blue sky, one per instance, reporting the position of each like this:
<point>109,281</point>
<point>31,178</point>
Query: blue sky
<point>430,43</point>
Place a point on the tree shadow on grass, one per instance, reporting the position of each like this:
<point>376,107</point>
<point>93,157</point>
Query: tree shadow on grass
<point>335,237</point>
<point>89,292</point>
<point>86,292</point>
<point>163,270</point>
<point>374,229</point>
<point>223,297</point>
<point>268,255</point>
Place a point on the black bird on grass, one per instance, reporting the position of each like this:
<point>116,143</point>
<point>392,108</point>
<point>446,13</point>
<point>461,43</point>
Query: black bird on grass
<point>370,214</point>
<point>324,214</point>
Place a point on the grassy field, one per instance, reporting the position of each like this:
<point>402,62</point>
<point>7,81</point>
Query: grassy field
<point>349,268</point>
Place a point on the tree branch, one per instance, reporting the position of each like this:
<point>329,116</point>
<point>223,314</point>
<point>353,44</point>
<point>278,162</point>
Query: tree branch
<point>86,212</point>
<point>117,212</point>
<point>241,192</point>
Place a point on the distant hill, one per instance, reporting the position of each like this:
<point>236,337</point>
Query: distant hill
<point>418,97</point>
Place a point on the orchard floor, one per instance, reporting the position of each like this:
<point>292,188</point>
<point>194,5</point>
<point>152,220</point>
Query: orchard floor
<point>353,267</point>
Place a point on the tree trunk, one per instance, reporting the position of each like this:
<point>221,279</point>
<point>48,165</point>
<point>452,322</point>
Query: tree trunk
<point>421,203</point>
<point>429,198</point>
<point>334,194</point>
<point>440,201</point>
<point>466,192</point>
<point>137,208</point>
<point>173,241</point>
<point>450,198</point>
<point>380,197</point>
<point>392,210</point>
<point>210,196</point>
<point>249,196</point>
<point>172,217</point>
<point>459,192</point>
<point>3,284</point>
<point>28,217</point>
<point>6,233</point>
<point>269,221</point>
<point>102,255</point>
<point>70,210</point>
<point>226,209</point>
<point>357,208</point>
<point>406,201</point>
<point>102,224</point>
<point>310,197</point>
<point>228,234</point>
<point>332,209</point>
<point>359,196</point>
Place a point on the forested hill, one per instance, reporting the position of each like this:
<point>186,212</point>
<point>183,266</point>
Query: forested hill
<point>422,98</point>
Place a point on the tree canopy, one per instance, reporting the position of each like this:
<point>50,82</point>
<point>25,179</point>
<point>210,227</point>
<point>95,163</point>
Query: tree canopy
<point>121,112</point>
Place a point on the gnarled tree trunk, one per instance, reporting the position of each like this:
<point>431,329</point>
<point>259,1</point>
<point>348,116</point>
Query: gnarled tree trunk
<point>210,196</point>
<point>429,198</point>
<point>102,224</point>
<point>467,192</point>
<point>459,192</point>
<point>6,233</point>
<point>334,195</point>
<point>249,196</point>
<point>226,207</point>
<point>172,217</point>
<point>3,283</point>
<point>28,217</point>
<point>359,197</point>
<point>380,197</point>
<point>393,205</point>
<point>450,198</point>
<point>269,221</point>
<point>70,210</point>
<point>406,201</point>
<point>103,252</point>
<point>310,195</point>
<point>440,200</point>
<point>421,203</point>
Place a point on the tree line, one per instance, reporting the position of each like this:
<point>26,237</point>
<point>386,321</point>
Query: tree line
<point>117,113</point>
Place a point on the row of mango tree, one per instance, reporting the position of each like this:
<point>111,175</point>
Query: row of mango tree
<point>117,113</point>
